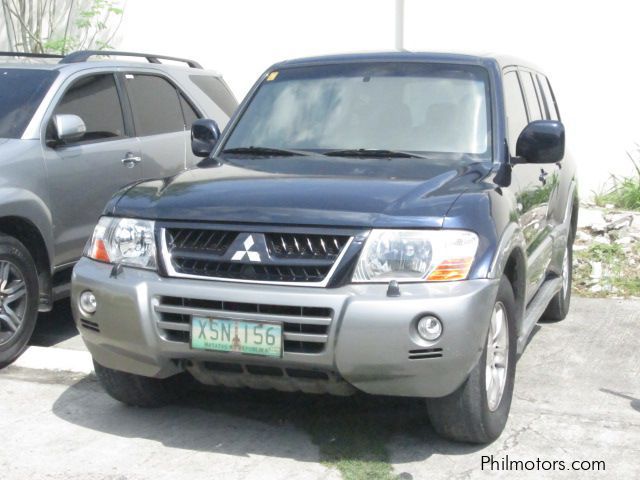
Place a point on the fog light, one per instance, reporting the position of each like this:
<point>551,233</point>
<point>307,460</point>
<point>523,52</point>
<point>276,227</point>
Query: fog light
<point>429,328</point>
<point>88,302</point>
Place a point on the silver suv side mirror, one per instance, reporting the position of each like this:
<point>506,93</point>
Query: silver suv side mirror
<point>69,128</point>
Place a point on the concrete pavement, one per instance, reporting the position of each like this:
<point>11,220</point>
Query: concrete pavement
<point>577,399</point>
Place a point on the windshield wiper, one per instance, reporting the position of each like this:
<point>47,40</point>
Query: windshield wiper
<point>371,152</point>
<point>266,151</point>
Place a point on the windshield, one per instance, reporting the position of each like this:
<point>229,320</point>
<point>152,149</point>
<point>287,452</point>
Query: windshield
<point>21,91</point>
<point>417,107</point>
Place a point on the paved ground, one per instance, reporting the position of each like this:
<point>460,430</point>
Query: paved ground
<point>577,398</point>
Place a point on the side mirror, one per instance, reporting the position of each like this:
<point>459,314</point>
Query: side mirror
<point>69,128</point>
<point>542,141</point>
<point>204,135</point>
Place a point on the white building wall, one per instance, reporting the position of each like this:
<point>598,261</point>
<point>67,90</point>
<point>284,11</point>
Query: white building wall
<point>590,50</point>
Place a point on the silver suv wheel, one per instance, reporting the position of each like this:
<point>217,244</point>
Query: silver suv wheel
<point>13,300</point>
<point>497,356</point>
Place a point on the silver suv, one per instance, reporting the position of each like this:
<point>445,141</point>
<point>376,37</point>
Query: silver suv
<point>72,133</point>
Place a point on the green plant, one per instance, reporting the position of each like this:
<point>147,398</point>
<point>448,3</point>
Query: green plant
<point>625,192</point>
<point>620,276</point>
<point>605,253</point>
<point>60,26</point>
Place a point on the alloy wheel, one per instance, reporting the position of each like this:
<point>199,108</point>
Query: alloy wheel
<point>13,300</point>
<point>497,356</point>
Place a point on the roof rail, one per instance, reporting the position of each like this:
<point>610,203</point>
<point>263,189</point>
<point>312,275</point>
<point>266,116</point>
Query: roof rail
<point>84,55</point>
<point>30,55</point>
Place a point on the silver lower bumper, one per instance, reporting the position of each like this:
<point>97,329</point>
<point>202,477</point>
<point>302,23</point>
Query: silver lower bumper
<point>368,342</point>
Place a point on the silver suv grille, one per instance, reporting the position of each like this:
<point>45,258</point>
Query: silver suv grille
<point>306,329</point>
<point>252,257</point>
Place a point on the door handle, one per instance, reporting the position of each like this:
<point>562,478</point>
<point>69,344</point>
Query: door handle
<point>543,176</point>
<point>130,160</point>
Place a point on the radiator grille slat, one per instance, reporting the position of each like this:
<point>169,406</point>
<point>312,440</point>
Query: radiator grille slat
<point>198,240</point>
<point>290,245</point>
<point>305,329</point>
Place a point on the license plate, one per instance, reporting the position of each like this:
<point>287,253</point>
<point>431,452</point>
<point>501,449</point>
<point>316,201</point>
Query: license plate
<point>237,336</point>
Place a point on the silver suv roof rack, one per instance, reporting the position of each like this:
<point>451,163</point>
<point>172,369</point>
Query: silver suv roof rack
<point>84,55</point>
<point>30,55</point>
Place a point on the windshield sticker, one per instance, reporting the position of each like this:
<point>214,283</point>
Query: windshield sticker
<point>272,76</point>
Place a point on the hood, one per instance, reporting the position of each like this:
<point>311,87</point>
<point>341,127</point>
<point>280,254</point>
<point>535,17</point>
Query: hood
<point>13,152</point>
<point>309,190</point>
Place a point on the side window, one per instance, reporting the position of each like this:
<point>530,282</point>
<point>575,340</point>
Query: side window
<point>155,104</point>
<point>190,114</point>
<point>514,103</point>
<point>535,111</point>
<point>216,91</point>
<point>95,100</point>
<point>548,97</point>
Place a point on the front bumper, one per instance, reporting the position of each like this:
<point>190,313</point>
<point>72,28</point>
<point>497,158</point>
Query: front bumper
<point>368,342</point>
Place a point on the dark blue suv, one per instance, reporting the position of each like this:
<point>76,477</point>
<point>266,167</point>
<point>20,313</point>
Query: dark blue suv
<point>390,223</point>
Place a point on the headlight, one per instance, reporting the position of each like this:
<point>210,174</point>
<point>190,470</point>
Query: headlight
<point>414,255</point>
<point>123,240</point>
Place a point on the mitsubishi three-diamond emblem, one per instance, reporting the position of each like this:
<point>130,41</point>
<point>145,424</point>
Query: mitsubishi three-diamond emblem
<point>240,254</point>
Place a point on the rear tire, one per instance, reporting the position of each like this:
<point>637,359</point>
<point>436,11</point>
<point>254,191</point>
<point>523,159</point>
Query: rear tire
<point>475,413</point>
<point>19,295</point>
<point>139,391</point>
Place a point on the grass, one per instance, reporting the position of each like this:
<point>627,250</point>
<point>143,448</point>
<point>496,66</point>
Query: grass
<point>351,433</point>
<point>620,277</point>
<point>625,192</point>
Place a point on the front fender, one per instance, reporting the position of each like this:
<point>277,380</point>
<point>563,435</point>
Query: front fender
<point>17,202</point>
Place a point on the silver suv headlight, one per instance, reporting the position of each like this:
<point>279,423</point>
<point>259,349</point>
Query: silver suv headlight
<point>416,255</point>
<point>127,241</point>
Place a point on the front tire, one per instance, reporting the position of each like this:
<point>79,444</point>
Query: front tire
<point>19,293</point>
<point>477,412</point>
<point>139,391</point>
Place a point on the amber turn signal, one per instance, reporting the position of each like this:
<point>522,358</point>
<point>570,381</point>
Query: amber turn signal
<point>452,269</point>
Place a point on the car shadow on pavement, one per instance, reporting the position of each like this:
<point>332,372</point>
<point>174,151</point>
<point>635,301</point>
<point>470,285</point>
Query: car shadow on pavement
<point>54,327</point>
<point>249,422</point>
<point>635,402</point>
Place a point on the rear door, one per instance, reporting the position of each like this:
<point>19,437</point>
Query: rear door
<point>83,175</point>
<point>162,119</point>
<point>531,180</point>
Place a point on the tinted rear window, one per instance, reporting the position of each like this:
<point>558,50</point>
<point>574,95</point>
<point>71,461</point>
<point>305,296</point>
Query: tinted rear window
<point>216,91</point>
<point>21,91</point>
<point>156,105</point>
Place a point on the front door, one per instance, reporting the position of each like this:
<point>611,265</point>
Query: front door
<point>83,175</point>
<point>533,182</point>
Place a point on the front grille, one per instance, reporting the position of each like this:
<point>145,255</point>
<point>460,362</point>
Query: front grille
<point>185,240</point>
<point>288,245</point>
<point>306,329</point>
<point>244,271</point>
<point>260,257</point>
